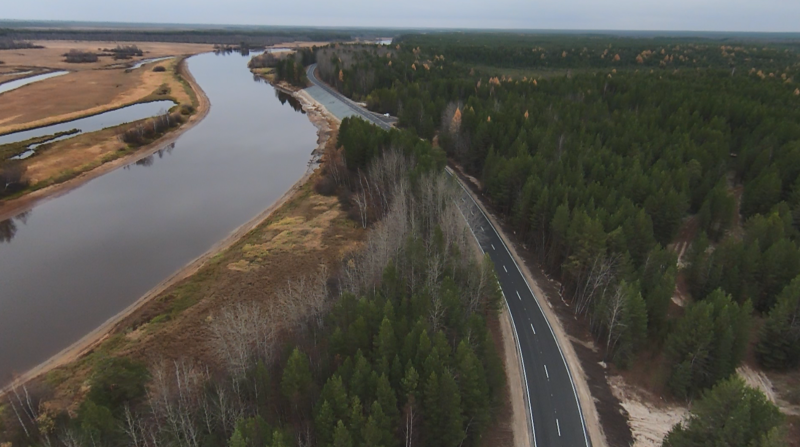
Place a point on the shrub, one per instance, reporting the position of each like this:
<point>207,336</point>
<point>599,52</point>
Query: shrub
<point>187,109</point>
<point>148,130</point>
<point>117,380</point>
<point>325,186</point>
<point>80,57</point>
<point>125,52</point>
<point>159,69</point>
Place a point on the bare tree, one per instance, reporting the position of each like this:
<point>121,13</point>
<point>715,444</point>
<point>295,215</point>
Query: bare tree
<point>239,333</point>
<point>175,397</point>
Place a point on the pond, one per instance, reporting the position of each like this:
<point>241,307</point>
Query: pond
<point>75,261</point>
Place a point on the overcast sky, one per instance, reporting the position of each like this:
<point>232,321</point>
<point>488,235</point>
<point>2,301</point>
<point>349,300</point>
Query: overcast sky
<point>692,15</point>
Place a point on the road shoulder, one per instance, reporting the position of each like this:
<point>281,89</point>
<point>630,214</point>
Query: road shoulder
<point>587,402</point>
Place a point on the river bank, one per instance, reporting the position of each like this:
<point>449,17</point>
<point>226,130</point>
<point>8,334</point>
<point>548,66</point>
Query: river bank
<point>77,357</point>
<point>14,206</point>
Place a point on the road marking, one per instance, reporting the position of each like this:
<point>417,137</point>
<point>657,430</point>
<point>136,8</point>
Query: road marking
<point>545,369</point>
<point>558,426</point>
<point>520,298</point>
<point>493,248</point>
<point>504,268</point>
<point>481,228</point>
<point>534,333</point>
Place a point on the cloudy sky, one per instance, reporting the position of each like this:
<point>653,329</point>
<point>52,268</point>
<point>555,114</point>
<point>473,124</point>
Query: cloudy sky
<point>692,15</point>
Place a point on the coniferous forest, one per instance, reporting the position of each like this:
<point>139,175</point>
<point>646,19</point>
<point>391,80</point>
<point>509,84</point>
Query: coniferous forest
<point>629,167</point>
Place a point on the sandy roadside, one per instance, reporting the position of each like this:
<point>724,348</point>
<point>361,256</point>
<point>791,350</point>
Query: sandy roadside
<point>13,207</point>
<point>587,403</point>
<point>322,120</point>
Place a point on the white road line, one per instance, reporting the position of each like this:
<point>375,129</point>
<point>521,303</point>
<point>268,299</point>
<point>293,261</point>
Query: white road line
<point>549,326</point>
<point>534,331</point>
<point>493,247</point>
<point>545,369</point>
<point>481,228</point>
<point>520,298</point>
<point>504,268</point>
<point>558,426</point>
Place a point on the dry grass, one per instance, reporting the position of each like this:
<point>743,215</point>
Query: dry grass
<point>83,92</point>
<point>51,56</point>
<point>175,323</point>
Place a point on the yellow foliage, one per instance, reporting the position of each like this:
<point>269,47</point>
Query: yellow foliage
<point>614,71</point>
<point>455,124</point>
<point>616,58</point>
<point>639,59</point>
<point>488,119</point>
<point>797,92</point>
<point>427,67</point>
<point>526,114</point>
<point>414,67</point>
<point>535,83</point>
<point>564,54</point>
<point>341,75</point>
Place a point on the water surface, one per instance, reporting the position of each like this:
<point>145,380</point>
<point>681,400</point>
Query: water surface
<point>92,123</point>
<point>77,260</point>
<point>17,83</point>
<point>147,61</point>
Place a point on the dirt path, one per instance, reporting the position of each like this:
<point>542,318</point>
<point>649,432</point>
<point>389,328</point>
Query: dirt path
<point>317,115</point>
<point>13,207</point>
<point>649,423</point>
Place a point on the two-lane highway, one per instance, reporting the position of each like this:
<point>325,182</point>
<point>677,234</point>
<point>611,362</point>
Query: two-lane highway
<point>554,407</point>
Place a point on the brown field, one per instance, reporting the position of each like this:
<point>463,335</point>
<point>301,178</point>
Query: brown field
<point>51,56</point>
<point>88,89</point>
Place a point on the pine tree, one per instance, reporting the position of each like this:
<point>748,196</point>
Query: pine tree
<point>730,414</point>
<point>779,338</point>
<point>452,419</point>
<point>296,378</point>
<point>324,425</point>
<point>341,437</point>
<point>387,398</point>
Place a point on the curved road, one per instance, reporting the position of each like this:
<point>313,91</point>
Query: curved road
<point>554,409</point>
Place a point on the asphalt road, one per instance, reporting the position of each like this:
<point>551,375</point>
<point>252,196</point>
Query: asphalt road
<point>375,118</point>
<point>554,408</point>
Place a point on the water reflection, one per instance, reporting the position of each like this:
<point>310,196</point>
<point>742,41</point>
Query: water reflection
<point>90,253</point>
<point>8,227</point>
<point>150,159</point>
<point>285,97</point>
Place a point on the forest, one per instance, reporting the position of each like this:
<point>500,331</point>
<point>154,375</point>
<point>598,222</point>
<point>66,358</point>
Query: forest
<point>604,155</point>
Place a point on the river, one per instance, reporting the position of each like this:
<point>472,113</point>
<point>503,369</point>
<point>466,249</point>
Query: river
<point>75,261</point>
